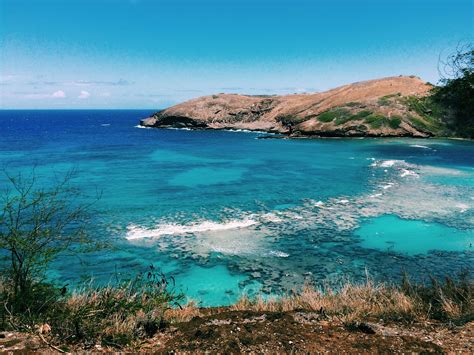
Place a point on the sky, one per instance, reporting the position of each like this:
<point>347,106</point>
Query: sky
<point>153,54</point>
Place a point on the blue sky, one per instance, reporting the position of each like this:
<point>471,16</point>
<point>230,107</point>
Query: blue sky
<point>152,54</point>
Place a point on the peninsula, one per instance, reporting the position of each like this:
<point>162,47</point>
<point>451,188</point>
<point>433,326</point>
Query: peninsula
<point>388,107</point>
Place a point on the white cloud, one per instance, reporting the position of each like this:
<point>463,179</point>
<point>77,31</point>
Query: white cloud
<point>58,94</point>
<point>84,94</point>
<point>41,95</point>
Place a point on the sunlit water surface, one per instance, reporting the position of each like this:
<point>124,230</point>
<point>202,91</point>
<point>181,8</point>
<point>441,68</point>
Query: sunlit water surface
<point>225,213</point>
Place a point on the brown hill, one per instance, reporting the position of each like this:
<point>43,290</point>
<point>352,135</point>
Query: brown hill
<point>384,107</point>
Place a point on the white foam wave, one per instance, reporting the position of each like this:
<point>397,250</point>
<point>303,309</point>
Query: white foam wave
<point>246,233</point>
<point>278,254</point>
<point>419,146</point>
<point>388,163</point>
<point>463,207</point>
<point>406,172</point>
<point>142,127</point>
<point>135,232</point>
<point>241,130</point>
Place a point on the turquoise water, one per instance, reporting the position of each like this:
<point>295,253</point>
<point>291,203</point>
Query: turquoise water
<point>397,235</point>
<point>226,213</point>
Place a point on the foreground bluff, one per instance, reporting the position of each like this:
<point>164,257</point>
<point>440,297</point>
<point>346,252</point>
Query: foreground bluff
<point>384,107</point>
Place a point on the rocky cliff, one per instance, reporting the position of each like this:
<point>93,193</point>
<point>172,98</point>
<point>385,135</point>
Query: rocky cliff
<point>384,107</point>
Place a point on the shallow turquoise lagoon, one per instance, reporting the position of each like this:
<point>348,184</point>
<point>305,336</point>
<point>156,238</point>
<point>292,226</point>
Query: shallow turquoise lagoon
<point>396,235</point>
<point>227,213</point>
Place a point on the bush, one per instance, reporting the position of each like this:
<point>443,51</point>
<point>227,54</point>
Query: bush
<point>114,315</point>
<point>375,121</point>
<point>361,114</point>
<point>447,300</point>
<point>36,225</point>
<point>327,116</point>
<point>456,93</point>
<point>395,122</point>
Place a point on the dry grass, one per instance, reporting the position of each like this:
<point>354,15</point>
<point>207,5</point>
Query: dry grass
<point>120,316</point>
<point>351,302</point>
<point>451,301</point>
<point>115,316</point>
<point>183,314</point>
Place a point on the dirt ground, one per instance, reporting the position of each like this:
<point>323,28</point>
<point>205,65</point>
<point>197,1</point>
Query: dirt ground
<point>289,332</point>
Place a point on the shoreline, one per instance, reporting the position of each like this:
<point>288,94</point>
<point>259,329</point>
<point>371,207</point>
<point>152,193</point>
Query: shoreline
<point>279,135</point>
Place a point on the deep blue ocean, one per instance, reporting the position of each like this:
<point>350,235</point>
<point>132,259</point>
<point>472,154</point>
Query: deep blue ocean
<point>226,213</point>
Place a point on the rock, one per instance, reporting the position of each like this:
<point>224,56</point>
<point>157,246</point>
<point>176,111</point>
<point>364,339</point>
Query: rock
<point>44,328</point>
<point>364,109</point>
<point>363,327</point>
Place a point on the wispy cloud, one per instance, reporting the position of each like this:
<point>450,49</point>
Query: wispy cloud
<point>231,88</point>
<point>41,95</point>
<point>84,94</point>
<point>153,96</point>
<point>119,82</point>
<point>7,79</point>
<point>188,90</point>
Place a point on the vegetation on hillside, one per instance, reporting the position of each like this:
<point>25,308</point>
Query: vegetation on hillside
<point>456,93</point>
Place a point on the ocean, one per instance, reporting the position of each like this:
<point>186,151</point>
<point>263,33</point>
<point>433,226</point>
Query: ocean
<point>226,213</point>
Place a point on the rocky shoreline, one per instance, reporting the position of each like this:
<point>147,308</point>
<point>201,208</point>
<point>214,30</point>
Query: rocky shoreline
<point>389,107</point>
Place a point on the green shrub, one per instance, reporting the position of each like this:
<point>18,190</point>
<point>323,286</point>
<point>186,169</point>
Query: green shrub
<point>395,122</point>
<point>36,225</point>
<point>387,99</point>
<point>456,94</point>
<point>375,121</point>
<point>114,315</point>
<point>327,116</point>
<point>342,115</point>
<point>449,300</point>
<point>417,123</point>
<point>361,114</point>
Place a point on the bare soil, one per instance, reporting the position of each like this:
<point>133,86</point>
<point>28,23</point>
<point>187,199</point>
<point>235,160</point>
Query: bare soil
<point>282,332</point>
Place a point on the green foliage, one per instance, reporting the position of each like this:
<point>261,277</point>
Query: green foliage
<point>395,122</point>
<point>425,107</point>
<point>387,99</point>
<point>361,114</point>
<point>112,315</point>
<point>418,123</point>
<point>456,95</point>
<point>327,116</point>
<point>429,111</point>
<point>341,115</point>
<point>37,224</point>
<point>383,101</point>
<point>375,121</point>
<point>449,300</point>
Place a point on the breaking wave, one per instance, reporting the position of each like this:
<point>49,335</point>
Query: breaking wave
<point>137,232</point>
<point>398,188</point>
